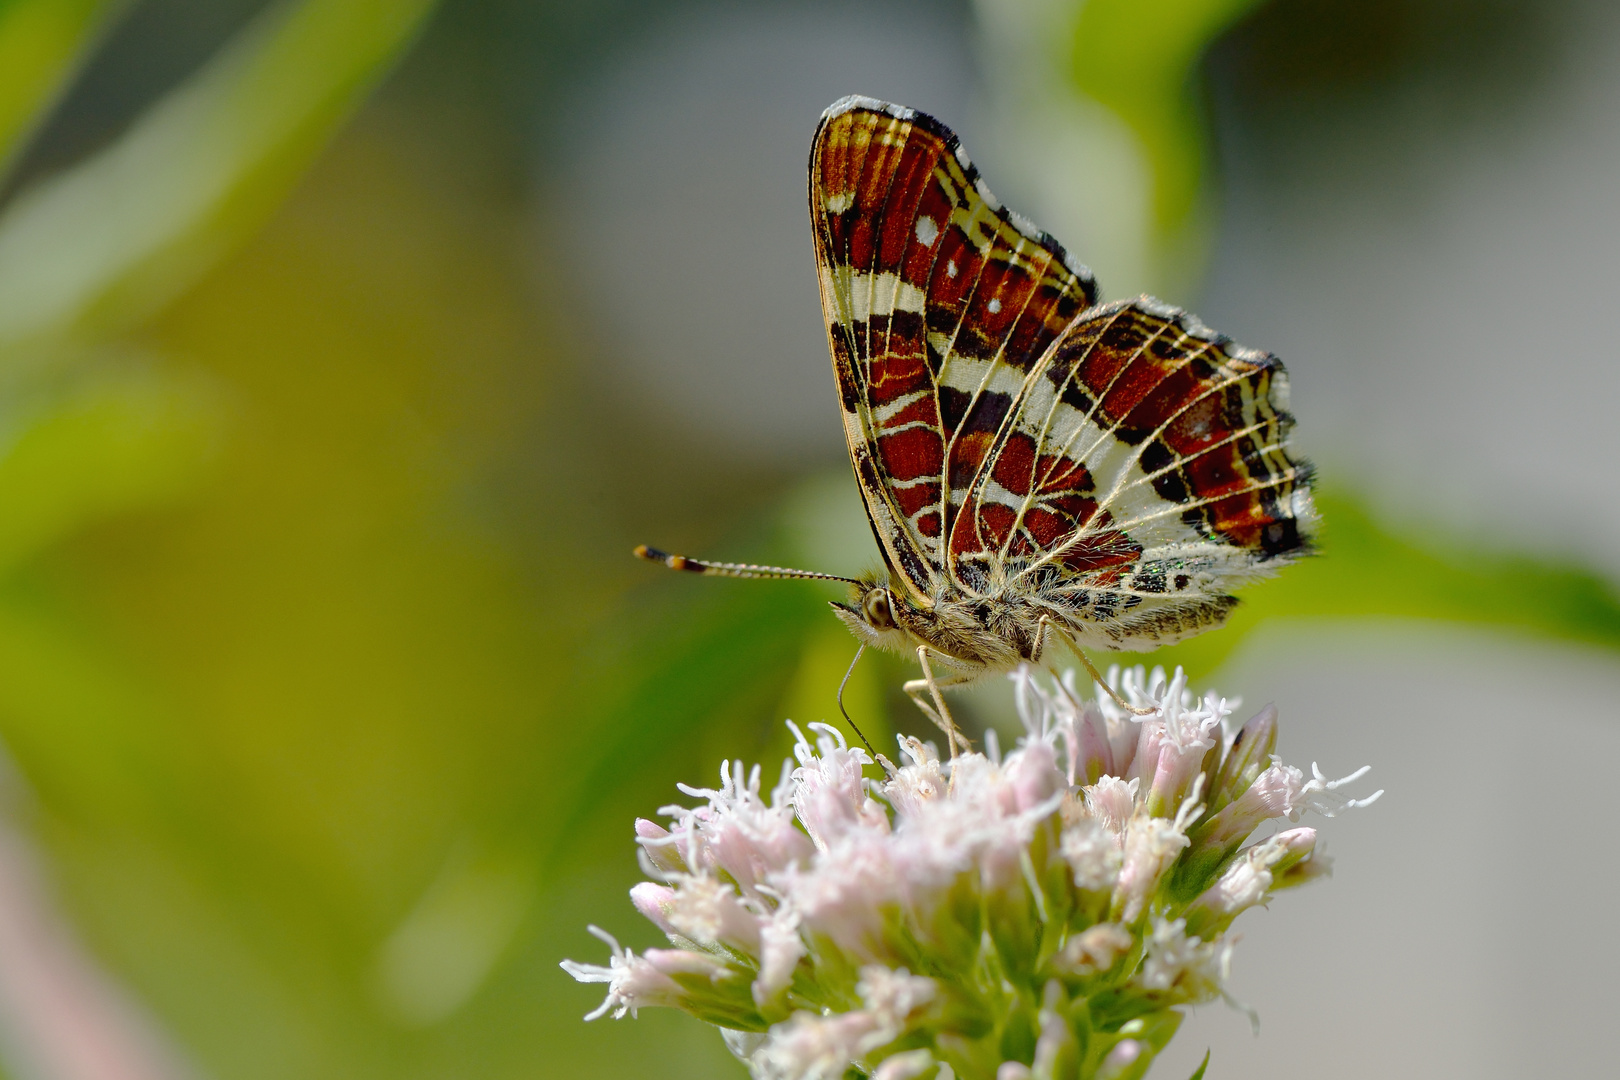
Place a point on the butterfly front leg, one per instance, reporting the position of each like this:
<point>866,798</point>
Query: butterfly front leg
<point>937,712</point>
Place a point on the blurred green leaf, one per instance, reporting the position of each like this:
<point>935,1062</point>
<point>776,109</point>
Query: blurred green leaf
<point>1137,58</point>
<point>102,444</point>
<point>42,43</point>
<point>113,238</point>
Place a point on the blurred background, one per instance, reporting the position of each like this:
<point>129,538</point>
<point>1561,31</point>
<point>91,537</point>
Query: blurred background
<point>348,346</point>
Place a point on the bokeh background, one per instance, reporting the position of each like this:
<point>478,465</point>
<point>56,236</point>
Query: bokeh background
<point>347,347</point>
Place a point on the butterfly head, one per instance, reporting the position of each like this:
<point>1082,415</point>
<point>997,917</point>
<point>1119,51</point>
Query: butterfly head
<point>878,615</point>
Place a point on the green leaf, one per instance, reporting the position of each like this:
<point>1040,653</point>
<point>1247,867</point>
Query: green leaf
<point>115,237</point>
<point>42,43</point>
<point>1199,1073</point>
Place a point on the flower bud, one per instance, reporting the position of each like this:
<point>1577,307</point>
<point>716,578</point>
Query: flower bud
<point>1251,752</point>
<point>653,901</point>
<point>659,847</point>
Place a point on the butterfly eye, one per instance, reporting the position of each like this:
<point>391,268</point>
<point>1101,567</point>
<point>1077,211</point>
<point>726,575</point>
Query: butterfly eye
<point>878,612</point>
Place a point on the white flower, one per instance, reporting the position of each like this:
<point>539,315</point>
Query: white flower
<point>915,925</point>
<point>737,833</point>
<point>1175,961</point>
<point>829,794</point>
<point>921,780</point>
<point>1248,881</point>
<point>1094,854</point>
<point>1095,948</point>
<point>892,996</point>
<point>781,949</point>
<point>1112,801</point>
<point>704,908</point>
<point>811,1047</point>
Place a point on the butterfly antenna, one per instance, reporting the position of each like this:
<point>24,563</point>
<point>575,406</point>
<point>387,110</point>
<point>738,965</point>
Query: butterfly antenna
<point>870,748</point>
<point>732,570</point>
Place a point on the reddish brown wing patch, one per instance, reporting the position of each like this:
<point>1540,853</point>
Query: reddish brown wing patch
<point>930,288</point>
<point>1208,419</point>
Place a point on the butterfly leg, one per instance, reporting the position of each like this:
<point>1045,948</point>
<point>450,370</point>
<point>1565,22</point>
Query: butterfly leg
<point>938,713</point>
<point>1091,669</point>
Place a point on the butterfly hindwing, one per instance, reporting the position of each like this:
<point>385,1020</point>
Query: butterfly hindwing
<point>1140,475</point>
<point>938,301</point>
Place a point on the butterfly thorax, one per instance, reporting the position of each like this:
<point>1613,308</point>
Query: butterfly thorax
<point>975,634</point>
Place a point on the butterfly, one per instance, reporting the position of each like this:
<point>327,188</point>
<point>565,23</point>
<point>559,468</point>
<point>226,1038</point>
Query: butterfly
<point>1035,464</point>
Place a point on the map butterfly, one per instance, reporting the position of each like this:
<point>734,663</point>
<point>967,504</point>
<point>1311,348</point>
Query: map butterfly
<point>1034,463</point>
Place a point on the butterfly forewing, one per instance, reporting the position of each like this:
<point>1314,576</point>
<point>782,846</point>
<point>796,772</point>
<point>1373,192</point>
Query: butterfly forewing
<point>938,301</point>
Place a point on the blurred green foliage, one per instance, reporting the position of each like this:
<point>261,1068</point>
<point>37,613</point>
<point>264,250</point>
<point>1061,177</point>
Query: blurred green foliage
<point>1139,58</point>
<point>320,649</point>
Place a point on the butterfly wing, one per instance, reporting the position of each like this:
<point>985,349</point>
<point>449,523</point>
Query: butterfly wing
<point>1142,474</point>
<point>938,300</point>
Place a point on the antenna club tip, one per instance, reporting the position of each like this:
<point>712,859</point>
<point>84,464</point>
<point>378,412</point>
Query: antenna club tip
<point>642,551</point>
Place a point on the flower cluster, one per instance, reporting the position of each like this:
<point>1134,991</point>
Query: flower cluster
<point>1040,914</point>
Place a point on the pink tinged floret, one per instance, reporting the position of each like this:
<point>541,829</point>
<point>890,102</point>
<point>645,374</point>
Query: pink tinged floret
<point>634,982</point>
<point>1276,792</point>
<point>658,847</point>
<point>908,1065</point>
<point>780,950</point>
<point>919,782</point>
<point>1151,845</point>
<point>1185,736</point>
<point>674,962</point>
<point>830,794</point>
<point>1032,777</point>
<point>1174,959</point>
<point>810,1047</point>
<point>1094,854</point>
<point>1283,791</point>
<point>653,901</point>
<point>893,995</point>
<point>1247,881</point>
<point>1112,801</point>
<point>826,924</point>
<point>1121,1057</point>
<point>1095,948</point>
<point>1094,751</point>
<point>847,894</point>
<point>738,833</point>
<point>1155,730</point>
<point>708,911</point>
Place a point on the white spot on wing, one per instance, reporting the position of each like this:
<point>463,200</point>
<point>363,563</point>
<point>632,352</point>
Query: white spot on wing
<point>995,305</point>
<point>1023,224</point>
<point>927,231</point>
<point>950,268</point>
<point>837,204</point>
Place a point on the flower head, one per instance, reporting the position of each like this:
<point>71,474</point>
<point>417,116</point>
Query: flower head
<point>1039,914</point>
